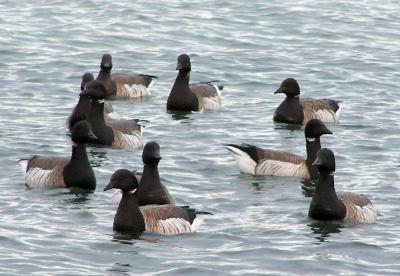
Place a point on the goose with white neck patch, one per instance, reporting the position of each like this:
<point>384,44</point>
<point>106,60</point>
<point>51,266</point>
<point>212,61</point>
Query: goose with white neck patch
<point>296,110</point>
<point>161,219</point>
<point>125,134</point>
<point>74,171</point>
<point>81,109</point>
<point>193,97</point>
<point>258,161</point>
<point>151,190</point>
<point>326,204</point>
<point>123,85</point>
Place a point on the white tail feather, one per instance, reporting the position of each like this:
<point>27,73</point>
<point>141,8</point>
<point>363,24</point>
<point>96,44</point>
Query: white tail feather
<point>219,92</point>
<point>197,222</point>
<point>246,164</point>
<point>24,165</point>
<point>151,83</point>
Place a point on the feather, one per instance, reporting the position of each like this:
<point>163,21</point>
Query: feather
<point>245,162</point>
<point>172,226</point>
<point>132,86</point>
<point>358,208</point>
<point>281,168</point>
<point>133,140</point>
<point>208,96</point>
<point>325,110</point>
<point>167,219</point>
<point>41,178</point>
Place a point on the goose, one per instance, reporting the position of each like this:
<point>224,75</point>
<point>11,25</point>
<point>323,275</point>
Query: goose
<point>164,219</point>
<point>123,85</point>
<point>326,204</point>
<point>294,110</point>
<point>258,161</point>
<point>79,112</point>
<point>151,190</point>
<point>193,97</point>
<point>116,133</point>
<point>74,171</point>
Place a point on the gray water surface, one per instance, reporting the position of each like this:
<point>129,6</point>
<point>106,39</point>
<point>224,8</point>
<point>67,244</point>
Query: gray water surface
<point>346,50</point>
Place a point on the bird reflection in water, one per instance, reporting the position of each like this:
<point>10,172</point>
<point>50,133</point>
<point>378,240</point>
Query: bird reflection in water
<point>324,229</point>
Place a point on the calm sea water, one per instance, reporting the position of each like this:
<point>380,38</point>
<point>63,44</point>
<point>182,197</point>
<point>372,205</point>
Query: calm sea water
<point>347,50</point>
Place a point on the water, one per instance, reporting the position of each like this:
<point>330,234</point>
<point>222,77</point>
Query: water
<point>347,50</point>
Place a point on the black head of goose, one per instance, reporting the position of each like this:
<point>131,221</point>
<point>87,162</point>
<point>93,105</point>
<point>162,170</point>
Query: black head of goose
<point>152,191</point>
<point>326,204</point>
<point>123,85</point>
<point>294,110</point>
<point>44,171</point>
<point>193,97</point>
<point>258,161</point>
<point>162,219</point>
<point>119,134</point>
<point>81,109</point>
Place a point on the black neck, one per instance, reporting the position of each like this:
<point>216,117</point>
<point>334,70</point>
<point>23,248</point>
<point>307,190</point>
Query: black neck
<point>80,111</point>
<point>79,154</point>
<point>181,98</point>
<point>78,172</point>
<point>150,172</point>
<point>129,218</point>
<point>104,74</point>
<point>103,132</point>
<point>325,203</point>
<point>313,145</point>
<point>105,77</point>
<point>290,111</point>
<point>182,82</point>
<point>96,113</point>
<point>151,190</point>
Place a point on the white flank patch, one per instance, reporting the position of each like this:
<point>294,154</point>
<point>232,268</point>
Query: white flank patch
<point>246,164</point>
<point>133,140</point>
<point>337,114</point>
<point>173,226</point>
<point>365,214</point>
<point>134,91</point>
<point>39,178</point>
<point>326,115</point>
<point>279,168</point>
<point>211,103</point>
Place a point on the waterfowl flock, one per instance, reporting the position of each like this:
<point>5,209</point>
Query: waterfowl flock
<point>144,203</point>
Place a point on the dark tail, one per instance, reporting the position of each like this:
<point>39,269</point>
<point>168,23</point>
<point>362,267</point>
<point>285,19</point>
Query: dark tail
<point>149,76</point>
<point>249,149</point>
<point>212,82</point>
<point>197,212</point>
<point>203,213</point>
